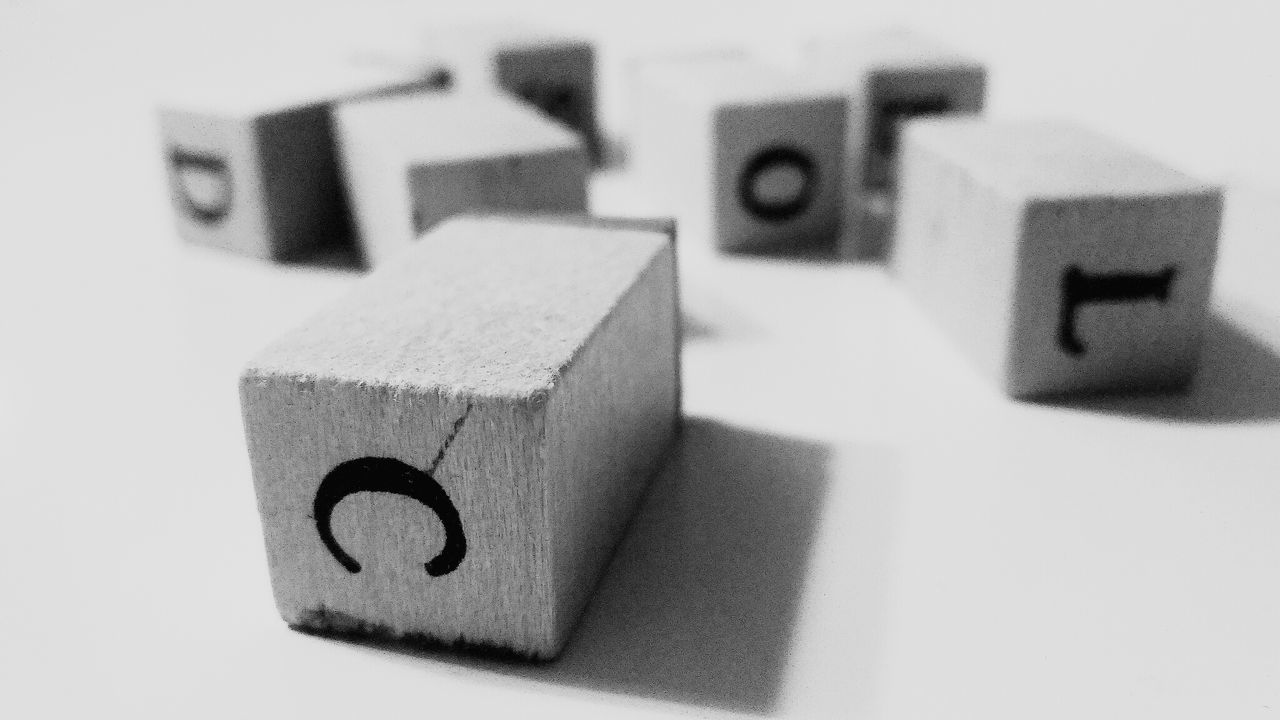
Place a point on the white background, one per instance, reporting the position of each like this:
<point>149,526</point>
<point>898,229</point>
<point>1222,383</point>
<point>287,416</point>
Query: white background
<point>856,526</point>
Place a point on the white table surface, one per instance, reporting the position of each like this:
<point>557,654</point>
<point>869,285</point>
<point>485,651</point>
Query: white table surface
<point>856,525</point>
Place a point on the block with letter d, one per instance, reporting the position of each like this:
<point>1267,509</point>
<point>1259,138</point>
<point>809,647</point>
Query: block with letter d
<point>251,160</point>
<point>1059,260</point>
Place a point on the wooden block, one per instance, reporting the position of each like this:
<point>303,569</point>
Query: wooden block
<point>870,219</point>
<point>410,162</point>
<point>453,451</point>
<point>742,153</point>
<point>251,162</point>
<point>1060,261</point>
<point>890,77</point>
<point>552,71</point>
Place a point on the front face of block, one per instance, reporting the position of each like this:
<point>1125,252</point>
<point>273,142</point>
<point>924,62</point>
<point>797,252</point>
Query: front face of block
<point>390,512</point>
<point>215,181</point>
<point>777,174</point>
<point>1112,293</point>
<point>538,182</point>
<point>895,97</point>
<point>557,79</point>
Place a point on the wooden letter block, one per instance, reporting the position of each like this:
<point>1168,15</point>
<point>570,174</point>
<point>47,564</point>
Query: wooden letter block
<point>890,77</point>
<point>452,452</point>
<point>251,164</point>
<point>554,72</point>
<point>410,162</point>
<point>740,152</point>
<point>1058,260</point>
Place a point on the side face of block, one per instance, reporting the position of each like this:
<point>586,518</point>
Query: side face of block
<point>895,96</point>
<point>868,225</point>
<point>553,181</point>
<point>1060,261</point>
<point>251,160</point>
<point>777,173</point>
<point>215,181</point>
<point>608,429</point>
<point>557,78</point>
<point>955,252</point>
<point>306,204</point>
<point>430,455</point>
<point>1112,292</point>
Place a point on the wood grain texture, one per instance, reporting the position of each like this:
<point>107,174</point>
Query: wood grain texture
<point>889,77</point>
<point>1060,261</point>
<point>530,367</point>
<point>410,162</point>
<point>739,151</point>
<point>251,165</point>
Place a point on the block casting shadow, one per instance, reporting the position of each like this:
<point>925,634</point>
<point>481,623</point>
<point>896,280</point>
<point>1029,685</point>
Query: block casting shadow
<point>699,603</point>
<point>1238,382</point>
<point>701,598</point>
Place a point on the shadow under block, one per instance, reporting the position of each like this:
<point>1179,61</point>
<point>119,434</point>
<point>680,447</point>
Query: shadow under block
<point>411,162</point>
<point>473,429</point>
<point>741,153</point>
<point>890,78</point>
<point>253,170</point>
<point>1058,260</point>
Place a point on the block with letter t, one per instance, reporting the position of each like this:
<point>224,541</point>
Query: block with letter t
<point>1059,260</point>
<point>251,158</point>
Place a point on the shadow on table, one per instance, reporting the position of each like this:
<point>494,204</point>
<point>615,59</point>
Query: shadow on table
<point>1238,381</point>
<point>341,257</point>
<point>826,252</point>
<point>699,603</point>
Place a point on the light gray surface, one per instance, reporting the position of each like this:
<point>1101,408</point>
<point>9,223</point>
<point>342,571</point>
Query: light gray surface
<point>935,550</point>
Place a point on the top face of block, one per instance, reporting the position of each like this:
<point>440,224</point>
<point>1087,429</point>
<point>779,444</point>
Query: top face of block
<point>486,307</point>
<point>245,96</point>
<point>1050,160</point>
<point>891,50</point>
<point>457,126</point>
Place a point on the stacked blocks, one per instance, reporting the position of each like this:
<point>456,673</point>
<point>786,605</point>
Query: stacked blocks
<point>453,451</point>
<point>1058,260</point>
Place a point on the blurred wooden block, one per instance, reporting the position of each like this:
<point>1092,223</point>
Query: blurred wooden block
<point>251,162</point>
<point>890,77</point>
<point>742,153</point>
<point>552,71</point>
<point>411,162</point>
<point>453,451</point>
<point>1060,261</point>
